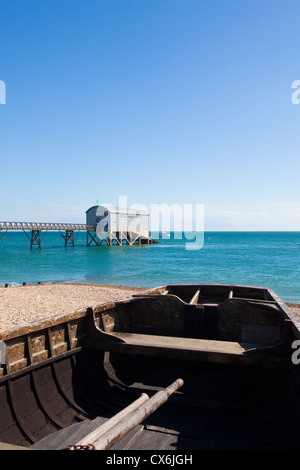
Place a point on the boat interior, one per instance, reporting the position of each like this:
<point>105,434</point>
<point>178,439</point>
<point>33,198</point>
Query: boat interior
<point>229,346</point>
<point>207,321</point>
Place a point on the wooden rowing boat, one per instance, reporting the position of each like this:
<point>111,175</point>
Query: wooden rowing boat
<point>184,367</point>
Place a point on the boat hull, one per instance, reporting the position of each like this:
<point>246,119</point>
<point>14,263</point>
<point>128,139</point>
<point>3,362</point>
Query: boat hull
<point>232,347</point>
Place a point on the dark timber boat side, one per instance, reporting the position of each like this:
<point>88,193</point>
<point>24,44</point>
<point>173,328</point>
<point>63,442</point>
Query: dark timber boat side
<point>201,366</point>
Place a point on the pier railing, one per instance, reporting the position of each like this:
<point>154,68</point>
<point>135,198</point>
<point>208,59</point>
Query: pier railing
<point>67,231</point>
<point>44,226</point>
<point>35,228</point>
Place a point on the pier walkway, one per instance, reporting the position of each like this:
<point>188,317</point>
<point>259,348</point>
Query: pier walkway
<point>35,232</point>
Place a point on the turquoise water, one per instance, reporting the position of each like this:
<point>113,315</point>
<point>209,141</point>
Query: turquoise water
<point>269,259</point>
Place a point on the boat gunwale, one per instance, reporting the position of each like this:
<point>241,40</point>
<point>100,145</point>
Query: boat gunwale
<point>66,319</point>
<point>51,321</point>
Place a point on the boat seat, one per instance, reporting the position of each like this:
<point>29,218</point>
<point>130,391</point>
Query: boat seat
<point>182,348</point>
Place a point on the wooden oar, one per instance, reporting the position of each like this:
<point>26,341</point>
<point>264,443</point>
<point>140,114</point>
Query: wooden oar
<point>122,423</point>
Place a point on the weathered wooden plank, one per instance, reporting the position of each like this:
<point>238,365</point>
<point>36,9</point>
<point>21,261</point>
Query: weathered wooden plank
<point>263,334</point>
<point>223,352</point>
<point>192,344</point>
<point>4,446</point>
<point>126,441</point>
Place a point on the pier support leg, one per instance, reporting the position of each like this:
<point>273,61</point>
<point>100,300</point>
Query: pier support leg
<point>118,238</point>
<point>2,234</point>
<point>35,240</point>
<point>90,239</point>
<point>69,238</point>
<point>128,238</point>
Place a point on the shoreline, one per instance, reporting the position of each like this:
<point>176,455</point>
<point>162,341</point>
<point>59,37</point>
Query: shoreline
<point>27,304</point>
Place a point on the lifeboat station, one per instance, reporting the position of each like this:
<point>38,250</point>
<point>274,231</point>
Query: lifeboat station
<point>105,225</point>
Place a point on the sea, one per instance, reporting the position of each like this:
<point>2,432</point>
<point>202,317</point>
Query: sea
<point>268,259</point>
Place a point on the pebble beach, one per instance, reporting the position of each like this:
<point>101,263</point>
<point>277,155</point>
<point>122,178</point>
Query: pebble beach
<point>20,305</point>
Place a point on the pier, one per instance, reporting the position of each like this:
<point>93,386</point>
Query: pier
<point>35,232</point>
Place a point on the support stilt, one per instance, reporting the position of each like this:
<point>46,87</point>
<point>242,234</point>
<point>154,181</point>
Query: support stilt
<point>35,240</point>
<point>2,234</point>
<point>69,238</point>
<point>92,239</point>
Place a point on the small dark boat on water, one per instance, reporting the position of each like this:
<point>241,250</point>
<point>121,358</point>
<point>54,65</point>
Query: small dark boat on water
<point>178,367</point>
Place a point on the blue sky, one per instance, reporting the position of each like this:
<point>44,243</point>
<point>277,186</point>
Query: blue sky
<point>163,101</point>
